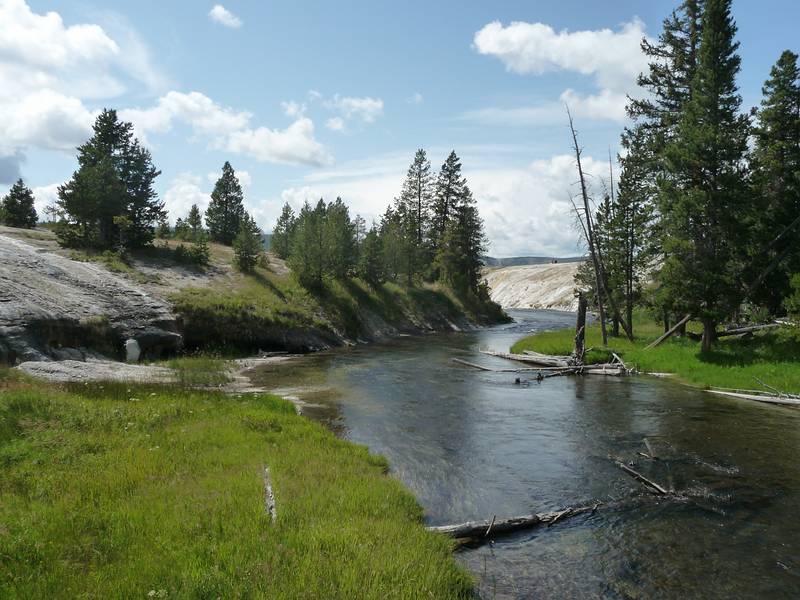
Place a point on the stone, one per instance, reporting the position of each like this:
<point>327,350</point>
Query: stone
<point>132,350</point>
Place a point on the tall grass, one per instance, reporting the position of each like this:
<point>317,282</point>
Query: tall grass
<point>772,356</point>
<point>111,491</point>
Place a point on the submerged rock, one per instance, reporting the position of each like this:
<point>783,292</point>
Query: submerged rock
<point>52,307</point>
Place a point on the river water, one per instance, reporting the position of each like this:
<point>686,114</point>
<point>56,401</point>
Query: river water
<point>472,444</point>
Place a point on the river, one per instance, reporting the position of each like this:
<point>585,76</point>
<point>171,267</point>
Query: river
<point>472,444</point>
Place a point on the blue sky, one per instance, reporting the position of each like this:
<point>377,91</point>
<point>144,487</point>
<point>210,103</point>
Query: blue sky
<point>310,99</point>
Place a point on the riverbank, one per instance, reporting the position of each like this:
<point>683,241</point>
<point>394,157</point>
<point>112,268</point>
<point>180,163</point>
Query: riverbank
<point>61,304</point>
<point>110,490</point>
<point>772,356</point>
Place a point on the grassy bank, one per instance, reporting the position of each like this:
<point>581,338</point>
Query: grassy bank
<point>136,491</point>
<point>270,310</point>
<point>773,356</point>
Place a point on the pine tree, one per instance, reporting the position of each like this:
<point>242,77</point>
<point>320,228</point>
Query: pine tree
<point>17,207</point>
<point>460,255</point>
<point>195,222</point>
<point>307,256</point>
<point>776,181</point>
<point>226,208</point>
<point>247,245</point>
<point>450,191</point>
<point>414,204</point>
<point>282,233</point>
<point>392,244</point>
<point>339,240</point>
<point>703,223</point>
<point>115,178</point>
<point>370,260</point>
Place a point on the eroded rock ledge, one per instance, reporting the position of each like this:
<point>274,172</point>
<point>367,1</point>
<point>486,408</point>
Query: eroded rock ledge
<point>52,307</point>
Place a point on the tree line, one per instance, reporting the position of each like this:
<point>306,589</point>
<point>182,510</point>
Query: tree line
<point>431,232</point>
<point>708,200</point>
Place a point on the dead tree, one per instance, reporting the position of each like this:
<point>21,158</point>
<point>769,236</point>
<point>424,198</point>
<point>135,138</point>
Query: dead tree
<point>580,330</point>
<point>594,249</point>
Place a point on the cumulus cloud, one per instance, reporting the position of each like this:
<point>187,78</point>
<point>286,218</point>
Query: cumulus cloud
<point>415,98</point>
<point>230,130</point>
<point>48,69</point>
<point>223,16</point>
<point>365,109</point>
<point>526,209</point>
<point>335,124</point>
<point>43,197</point>
<point>183,191</point>
<point>612,58</point>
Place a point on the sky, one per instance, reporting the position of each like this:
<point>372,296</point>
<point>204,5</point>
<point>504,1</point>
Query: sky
<point>326,99</point>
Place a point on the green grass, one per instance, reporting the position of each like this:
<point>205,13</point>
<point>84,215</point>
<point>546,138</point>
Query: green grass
<point>110,491</point>
<point>114,262</point>
<point>773,357</point>
<point>200,370</point>
<point>257,310</point>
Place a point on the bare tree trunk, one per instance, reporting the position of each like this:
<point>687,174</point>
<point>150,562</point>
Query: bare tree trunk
<point>709,334</point>
<point>590,234</point>
<point>666,319</point>
<point>580,329</point>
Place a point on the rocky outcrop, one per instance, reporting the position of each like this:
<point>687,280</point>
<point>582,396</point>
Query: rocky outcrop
<point>52,307</point>
<point>550,286</point>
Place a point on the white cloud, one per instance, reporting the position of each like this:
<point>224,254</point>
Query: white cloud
<point>526,209</point>
<point>223,16</point>
<point>44,196</point>
<point>182,192</point>
<point>335,124</point>
<point>293,109</point>
<point>230,130</point>
<point>294,145</point>
<point>48,70</point>
<point>415,98</point>
<point>612,58</point>
<point>365,109</point>
<point>244,177</point>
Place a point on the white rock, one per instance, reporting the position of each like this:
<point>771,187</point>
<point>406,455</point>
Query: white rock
<point>132,350</point>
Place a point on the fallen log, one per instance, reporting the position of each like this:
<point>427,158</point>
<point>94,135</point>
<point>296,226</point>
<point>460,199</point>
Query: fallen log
<point>672,330</point>
<point>650,485</point>
<point>758,397</point>
<point>534,359</point>
<point>750,329</point>
<point>476,366</point>
<point>518,370</point>
<point>476,530</point>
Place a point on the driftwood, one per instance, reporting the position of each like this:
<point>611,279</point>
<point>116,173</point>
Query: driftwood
<point>758,396</point>
<point>672,330</point>
<point>467,363</point>
<point>477,530</point>
<point>750,329</point>
<point>650,485</point>
<point>534,358</point>
<point>269,496</point>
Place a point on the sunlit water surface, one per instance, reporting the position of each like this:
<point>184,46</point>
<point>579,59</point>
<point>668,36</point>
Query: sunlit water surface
<point>472,444</point>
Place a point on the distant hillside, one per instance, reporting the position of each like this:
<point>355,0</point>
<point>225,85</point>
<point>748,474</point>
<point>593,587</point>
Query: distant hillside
<point>516,261</point>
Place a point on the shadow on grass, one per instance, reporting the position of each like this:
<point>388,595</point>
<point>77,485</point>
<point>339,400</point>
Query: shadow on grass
<point>769,347</point>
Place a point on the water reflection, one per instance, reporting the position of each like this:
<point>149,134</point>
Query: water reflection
<point>472,444</point>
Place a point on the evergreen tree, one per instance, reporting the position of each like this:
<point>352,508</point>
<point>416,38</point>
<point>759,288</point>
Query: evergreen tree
<point>776,178</point>
<point>703,223</point>
<point>17,207</point>
<point>393,244</point>
<point>195,222</point>
<point>247,245</point>
<point>414,204</point>
<point>282,233</point>
<point>182,231</point>
<point>339,240</point>
<point>307,256</point>
<point>163,231</point>
<point>226,208</point>
<point>450,190</point>
<point>460,255</point>
<point>115,178</point>
<point>370,260</point>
